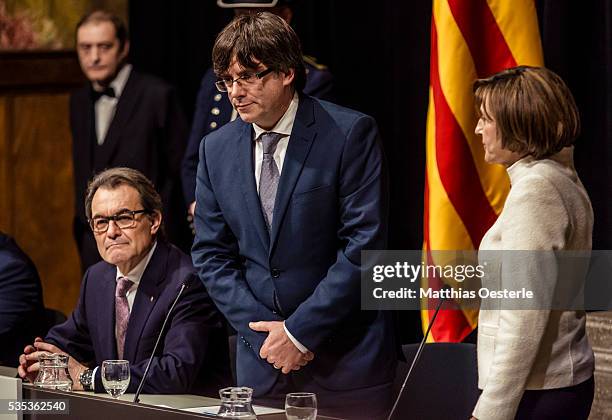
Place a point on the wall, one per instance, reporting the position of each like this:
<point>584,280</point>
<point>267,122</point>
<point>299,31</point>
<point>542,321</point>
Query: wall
<point>599,328</point>
<point>36,185</point>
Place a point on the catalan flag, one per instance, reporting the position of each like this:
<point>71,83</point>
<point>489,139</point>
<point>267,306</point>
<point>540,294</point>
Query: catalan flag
<point>470,39</point>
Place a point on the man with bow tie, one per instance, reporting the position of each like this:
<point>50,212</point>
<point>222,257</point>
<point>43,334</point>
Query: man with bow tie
<point>126,297</point>
<point>123,118</point>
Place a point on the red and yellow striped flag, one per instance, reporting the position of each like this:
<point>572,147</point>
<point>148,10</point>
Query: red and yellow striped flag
<point>470,39</point>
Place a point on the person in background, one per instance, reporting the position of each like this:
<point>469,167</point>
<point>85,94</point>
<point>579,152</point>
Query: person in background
<point>22,313</point>
<point>214,109</point>
<point>122,117</point>
<point>288,195</point>
<point>535,363</point>
<point>125,298</point>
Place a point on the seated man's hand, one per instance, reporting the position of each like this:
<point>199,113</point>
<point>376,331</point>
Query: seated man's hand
<point>278,349</point>
<point>30,366</point>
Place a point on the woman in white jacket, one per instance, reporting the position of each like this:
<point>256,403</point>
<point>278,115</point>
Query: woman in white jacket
<point>538,363</point>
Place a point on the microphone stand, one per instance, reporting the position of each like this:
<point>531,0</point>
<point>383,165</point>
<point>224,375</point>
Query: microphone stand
<point>416,357</point>
<point>146,371</point>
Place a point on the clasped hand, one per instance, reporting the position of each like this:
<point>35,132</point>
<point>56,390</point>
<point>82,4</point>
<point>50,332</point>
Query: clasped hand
<point>278,349</point>
<point>29,366</point>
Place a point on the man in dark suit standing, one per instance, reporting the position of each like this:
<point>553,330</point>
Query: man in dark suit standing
<point>287,197</point>
<point>125,299</point>
<point>22,313</point>
<point>213,108</point>
<point>123,118</point>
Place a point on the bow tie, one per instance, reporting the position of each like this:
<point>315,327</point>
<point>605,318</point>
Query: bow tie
<point>109,91</point>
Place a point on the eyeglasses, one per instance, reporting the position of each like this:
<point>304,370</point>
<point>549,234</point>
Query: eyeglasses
<point>123,220</point>
<point>246,80</point>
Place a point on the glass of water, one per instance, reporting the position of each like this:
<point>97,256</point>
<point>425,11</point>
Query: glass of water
<point>115,376</point>
<point>301,406</point>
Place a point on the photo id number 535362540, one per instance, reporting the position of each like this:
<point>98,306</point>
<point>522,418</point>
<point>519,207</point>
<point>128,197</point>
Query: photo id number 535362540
<point>56,406</point>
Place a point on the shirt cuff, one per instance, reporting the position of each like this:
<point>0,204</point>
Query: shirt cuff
<point>296,343</point>
<point>93,381</point>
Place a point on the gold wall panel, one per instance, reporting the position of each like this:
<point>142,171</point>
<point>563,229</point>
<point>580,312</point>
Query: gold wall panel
<point>36,179</point>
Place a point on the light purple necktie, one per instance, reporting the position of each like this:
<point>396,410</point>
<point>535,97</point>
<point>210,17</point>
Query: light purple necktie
<point>122,312</point>
<point>268,180</point>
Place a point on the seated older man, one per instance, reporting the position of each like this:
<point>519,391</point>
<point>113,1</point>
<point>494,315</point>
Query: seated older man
<point>125,298</point>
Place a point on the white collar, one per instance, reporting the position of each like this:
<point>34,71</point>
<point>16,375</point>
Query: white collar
<point>564,160</point>
<point>285,124</point>
<point>120,80</point>
<point>136,273</point>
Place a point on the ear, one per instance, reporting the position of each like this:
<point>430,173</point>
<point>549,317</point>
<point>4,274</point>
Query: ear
<point>126,49</point>
<point>288,77</point>
<point>156,220</point>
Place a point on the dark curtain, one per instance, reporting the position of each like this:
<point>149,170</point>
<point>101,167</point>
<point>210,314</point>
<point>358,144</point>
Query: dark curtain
<point>577,40</point>
<point>379,54</point>
<point>174,39</point>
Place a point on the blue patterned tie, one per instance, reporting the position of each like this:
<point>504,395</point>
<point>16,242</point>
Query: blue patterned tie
<point>268,180</point>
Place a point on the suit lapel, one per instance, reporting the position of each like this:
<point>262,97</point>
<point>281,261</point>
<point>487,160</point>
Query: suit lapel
<point>108,340</point>
<point>149,290</point>
<point>125,107</point>
<point>299,145</point>
<point>247,178</point>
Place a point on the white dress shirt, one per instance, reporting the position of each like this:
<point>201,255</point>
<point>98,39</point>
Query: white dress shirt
<point>283,126</point>
<point>105,106</point>
<point>135,275</point>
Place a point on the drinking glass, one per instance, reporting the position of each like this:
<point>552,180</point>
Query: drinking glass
<point>301,406</point>
<point>115,376</point>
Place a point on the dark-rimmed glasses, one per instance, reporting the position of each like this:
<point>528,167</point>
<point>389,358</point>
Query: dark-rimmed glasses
<point>246,80</point>
<point>123,220</point>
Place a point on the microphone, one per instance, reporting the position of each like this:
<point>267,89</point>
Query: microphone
<point>417,355</point>
<point>185,285</point>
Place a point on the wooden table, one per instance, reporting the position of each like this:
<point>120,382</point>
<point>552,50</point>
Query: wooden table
<point>89,406</point>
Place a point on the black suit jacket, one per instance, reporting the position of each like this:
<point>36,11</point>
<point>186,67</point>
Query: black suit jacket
<point>148,133</point>
<point>21,303</point>
<point>192,356</point>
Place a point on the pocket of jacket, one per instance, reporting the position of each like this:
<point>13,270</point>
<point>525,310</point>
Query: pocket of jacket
<point>313,194</point>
